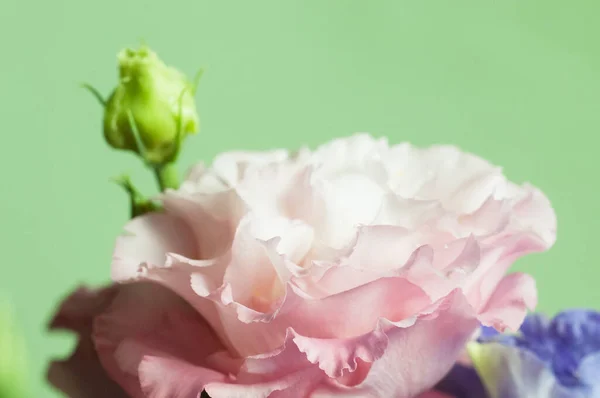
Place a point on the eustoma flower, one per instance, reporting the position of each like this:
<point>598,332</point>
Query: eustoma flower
<point>558,358</point>
<point>355,270</point>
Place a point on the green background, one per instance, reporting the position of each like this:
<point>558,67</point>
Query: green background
<point>514,81</point>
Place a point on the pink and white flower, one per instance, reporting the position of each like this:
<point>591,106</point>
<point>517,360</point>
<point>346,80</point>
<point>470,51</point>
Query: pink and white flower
<point>356,270</point>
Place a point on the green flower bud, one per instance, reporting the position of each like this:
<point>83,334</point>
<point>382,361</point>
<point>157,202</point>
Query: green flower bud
<point>13,383</point>
<point>152,109</point>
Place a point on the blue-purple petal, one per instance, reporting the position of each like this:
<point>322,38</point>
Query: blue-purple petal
<point>462,382</point>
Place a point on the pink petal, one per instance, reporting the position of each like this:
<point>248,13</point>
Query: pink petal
<point>351,313</point>
<point>284,373</point>
<point>212,218</point>
<point>514,296</point>
<point>337,357</point>
<point>163,377</point>
<point>419,355</point>
<point>82,375</point>
<point>260,265</point>
<point>175,275</point>
<point>251,273</point>
<point>347,314</point>
<point>419,269</point>
<point>148,239</point>
<point>233,166</point>
<point>407,213</point>
<point>384,247</point>
<point>295,385</point>
<point>535,212</point>
<point>389,250</point>
<point>460,181</point>
<point>147,252</point>
<point>144,320</point>
<point>304,200</point>
<point>496,259</point>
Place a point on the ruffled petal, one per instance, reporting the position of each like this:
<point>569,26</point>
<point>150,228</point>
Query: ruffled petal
<point>234,166</point>
<point>146,320</point>
<point>462,182</point>
<point>514,296</point>
<point>347,314</point>
<point>496,259</point>
<point>533,212</point>
<point>284,373</point>
<point>212,218</point>
<point>354,154</point>
<point>159,247</point>
<point>148,239</point>
<point>262,259</point>
<point>432,343</point>
<point>164,377</point>
<point>296,385</point>
<point>339,357</point>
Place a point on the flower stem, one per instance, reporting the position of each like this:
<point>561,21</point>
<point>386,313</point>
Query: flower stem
<point>167,176</point>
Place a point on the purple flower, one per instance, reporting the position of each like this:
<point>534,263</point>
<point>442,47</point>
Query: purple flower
<point>547,358</point>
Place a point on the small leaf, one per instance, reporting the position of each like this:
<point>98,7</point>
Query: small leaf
<point>95,93</point>
<point>139,204</point>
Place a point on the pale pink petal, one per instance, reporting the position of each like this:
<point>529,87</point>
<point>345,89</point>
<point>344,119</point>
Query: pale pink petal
<point>350,313</point>
<point>224,362</point>
<point>233,166</point>
<point>407,213</point>
<point>489,220</point>
<point>148,239</point>
<point>162,377</point>
<point>175,275</point>
<point>419,355</point>
<point>261,260</point>
<point>251,274</point>
<point>381,248</point>
<point>534,212</point>
<point>160,247</point>
<point>351,200</point>
<point>296,385</point>
<point>212,218</point>
<point>515,295</point>
<point>343,315</point>
<point>284,373</point>
<point>145,319</point>
<point>532,228</point>
<point>304,199</point>
<point>284,360</point>
<point>389,251</point>
<point>349,154</point>
<point>461,181</point>
<point>339,357</point>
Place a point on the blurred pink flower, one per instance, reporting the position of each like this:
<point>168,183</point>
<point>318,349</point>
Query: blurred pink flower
<point>356,270</point>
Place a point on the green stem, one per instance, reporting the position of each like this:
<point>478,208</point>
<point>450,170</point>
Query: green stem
<point>167,176</point>
<point>138,204</point>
